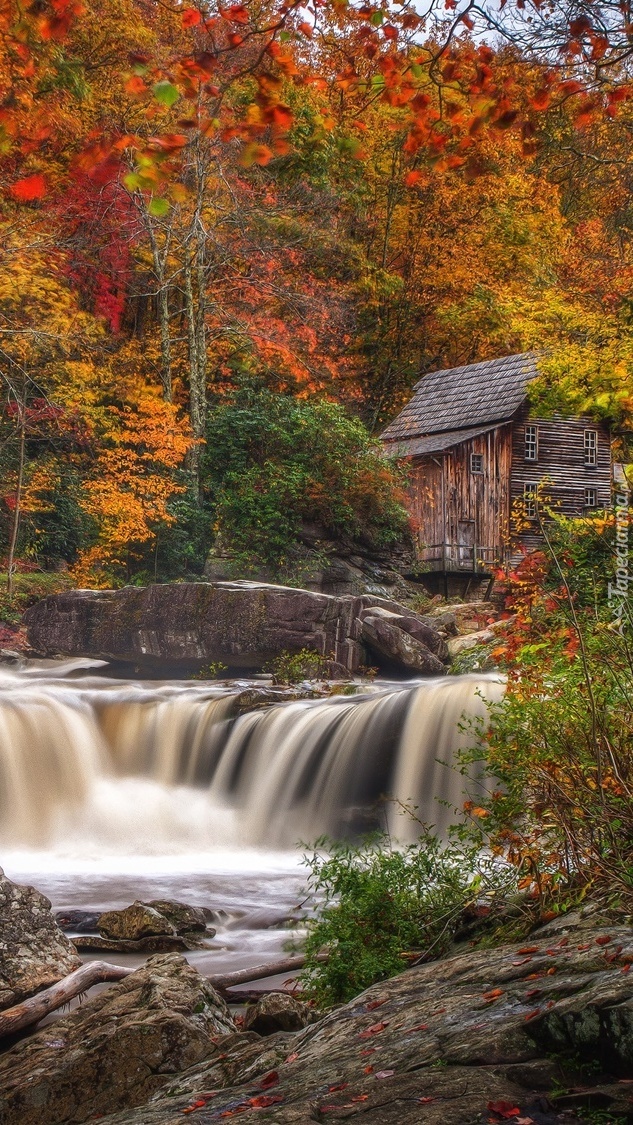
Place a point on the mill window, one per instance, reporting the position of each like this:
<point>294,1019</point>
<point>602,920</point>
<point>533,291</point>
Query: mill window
<point>530,496</point>
<point>591,498</point>
<point>476,462</point>
<point>531,443</point>
<point>591,447</point>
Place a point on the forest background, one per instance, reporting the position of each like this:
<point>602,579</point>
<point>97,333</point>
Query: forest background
<point>233,238</point>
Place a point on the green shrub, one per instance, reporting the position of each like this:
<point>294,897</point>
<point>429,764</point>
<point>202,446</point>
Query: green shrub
<point>274,462</point>
<point>293,667</point>
<point>381,907</point>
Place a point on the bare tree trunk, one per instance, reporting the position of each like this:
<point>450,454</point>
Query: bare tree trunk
<point>197,395</point>
<point>259,972</point>
<point>162,299</point>
<point>195,307</point>
<point>36,1007</point>
<point>18,492</point>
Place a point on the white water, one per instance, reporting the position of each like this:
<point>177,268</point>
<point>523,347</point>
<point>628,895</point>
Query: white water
<point>100,772</point>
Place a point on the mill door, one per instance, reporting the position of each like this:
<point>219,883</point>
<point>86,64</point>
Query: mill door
<point>466,544</point>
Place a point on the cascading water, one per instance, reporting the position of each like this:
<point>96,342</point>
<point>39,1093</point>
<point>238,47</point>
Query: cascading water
<point>91,766</point>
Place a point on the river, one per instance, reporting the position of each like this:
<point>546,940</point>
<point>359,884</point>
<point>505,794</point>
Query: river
<point>113,790</point>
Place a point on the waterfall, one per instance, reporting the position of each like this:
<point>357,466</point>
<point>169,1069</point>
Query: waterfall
<point>91,766</point>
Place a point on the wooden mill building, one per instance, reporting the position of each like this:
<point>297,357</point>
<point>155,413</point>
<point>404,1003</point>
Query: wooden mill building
<point>474,448</point>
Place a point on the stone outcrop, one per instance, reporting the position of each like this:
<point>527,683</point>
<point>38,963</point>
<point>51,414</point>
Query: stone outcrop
<point>166,943</point>
<point>440,1044</point>
<point>117,1050</point>
<point>279,1011</point>
<point>34,953</point>
<point>398,648</point>
<point>240,624</point>
<point>404,640</point>
<point>136,921</point>
<point>185,919</point>
<point>469,641</point>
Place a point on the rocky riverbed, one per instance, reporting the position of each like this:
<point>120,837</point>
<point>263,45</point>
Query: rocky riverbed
<point>538,1031</point>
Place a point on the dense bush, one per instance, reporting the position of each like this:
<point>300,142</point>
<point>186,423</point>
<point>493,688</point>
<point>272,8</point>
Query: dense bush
<point>381,907</point>
<point>561,742</point>
<point>274,462</point>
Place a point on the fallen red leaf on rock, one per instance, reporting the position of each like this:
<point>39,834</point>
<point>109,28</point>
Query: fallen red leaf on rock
<point>375,1029</point>
<point>270,1079</point>
<point>494,994</point>
<point>532,1015</point>
<point>341,1086</point>
<point>604,939</point>
<point>529,949</point>
<point>375,1004</point>
<point>506,1110</point>
<point>368,1070</point>
<point>425,1101</point>
<point>263,1100</point>
<point>292,1057</point>
<point>418,1027</point>
<point>532,992</point>
<point>361,1098</point>
<point>367,1051</point>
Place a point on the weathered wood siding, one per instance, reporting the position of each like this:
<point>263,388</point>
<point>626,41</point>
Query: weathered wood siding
<point>561,463</point>
<point>460,512</point>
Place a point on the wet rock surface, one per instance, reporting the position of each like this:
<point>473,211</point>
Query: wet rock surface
<point>115,1051</point>
<point>444,1042</point>
<point>87,943</point>
<point>185,919</point>
<point>34,953</point>
<point>133,922</point>
<point>185,625</point>
<point>277,1012</point>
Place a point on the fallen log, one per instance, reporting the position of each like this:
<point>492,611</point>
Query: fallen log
<point>272,969</point>
<point>36,1007</point>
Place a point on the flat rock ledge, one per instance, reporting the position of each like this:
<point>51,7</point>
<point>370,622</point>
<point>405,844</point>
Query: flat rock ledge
<point>441,1044</point>
<point>186,625</point>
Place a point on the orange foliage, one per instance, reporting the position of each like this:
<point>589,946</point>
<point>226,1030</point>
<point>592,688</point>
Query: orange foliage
<point>129,491</point>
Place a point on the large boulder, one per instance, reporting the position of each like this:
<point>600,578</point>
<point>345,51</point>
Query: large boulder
<point>183,918</point>
<point>400,648</point>
<point>136,921</point>
<point>241,624</point>
<point>278,1011</point>
<point>116,1050</point>
<point>442,1044</point>
<point>34,952</point>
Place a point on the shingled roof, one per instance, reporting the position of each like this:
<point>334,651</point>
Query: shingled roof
<point>461,398</point>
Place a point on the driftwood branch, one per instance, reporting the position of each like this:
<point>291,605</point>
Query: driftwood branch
<point>272,969</point>
<point>36,1007</point>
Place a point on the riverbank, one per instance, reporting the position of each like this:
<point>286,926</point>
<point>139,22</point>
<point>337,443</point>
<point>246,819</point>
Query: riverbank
<point>539,1030</point>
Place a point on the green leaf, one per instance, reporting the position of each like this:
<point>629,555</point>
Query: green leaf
<point>158,206</point>
<point>132,181</point>
<point>166,93</point>
<point>377,18</point>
